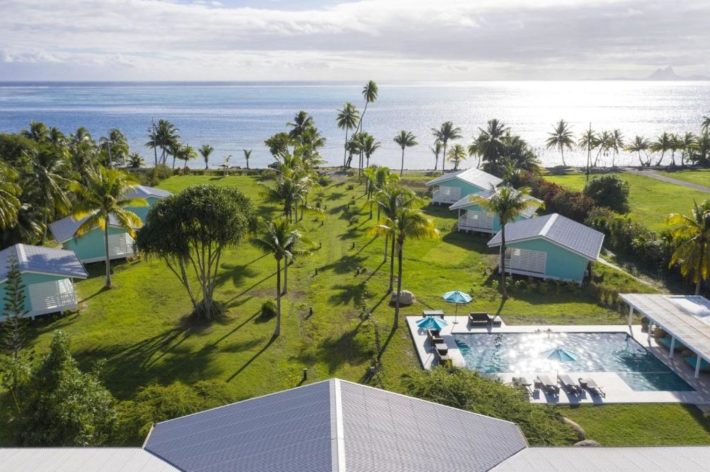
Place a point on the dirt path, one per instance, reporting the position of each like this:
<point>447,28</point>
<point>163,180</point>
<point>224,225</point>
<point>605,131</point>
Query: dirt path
<point>664,178</point>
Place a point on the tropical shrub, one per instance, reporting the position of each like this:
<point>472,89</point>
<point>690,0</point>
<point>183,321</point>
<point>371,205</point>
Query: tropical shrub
<point>609,191</point>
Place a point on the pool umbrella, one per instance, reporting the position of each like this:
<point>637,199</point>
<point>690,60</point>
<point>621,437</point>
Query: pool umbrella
<point>559,354</point>
<point>457,297</point>
<point>431,322</point>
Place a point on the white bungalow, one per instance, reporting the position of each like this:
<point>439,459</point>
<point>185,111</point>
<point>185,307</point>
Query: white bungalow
<point>472,216</point>
<point>449,188</point>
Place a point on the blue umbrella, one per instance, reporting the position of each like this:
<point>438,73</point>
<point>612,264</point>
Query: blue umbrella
<point>457,297</point>
<point>431,322</point>
<point>559,354</point>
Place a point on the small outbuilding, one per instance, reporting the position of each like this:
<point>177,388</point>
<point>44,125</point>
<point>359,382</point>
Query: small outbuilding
<point>550,247</point>
<point>47,275</point>
<point>472,216</point>
<point>450,188</point>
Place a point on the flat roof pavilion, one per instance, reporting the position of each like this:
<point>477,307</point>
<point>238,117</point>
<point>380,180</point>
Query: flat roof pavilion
<point>685,318</point>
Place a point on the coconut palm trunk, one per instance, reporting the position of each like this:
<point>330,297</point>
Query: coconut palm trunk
<point>387,240</point>
<point>108,257</point>
<point>389,290</point>
<point>401,167</point>
<point>285,289</point>
<point>443,160</point>
<point>502,262</point>
<point>399,284</point>
<point>699,282</point>
<point>345,149</point>
<point>277,329</point>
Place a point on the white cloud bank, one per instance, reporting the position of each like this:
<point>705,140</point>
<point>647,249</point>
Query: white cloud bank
<point>382,39</point>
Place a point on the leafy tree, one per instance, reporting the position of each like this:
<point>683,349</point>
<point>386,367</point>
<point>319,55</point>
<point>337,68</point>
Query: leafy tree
<point>436,150</point>
<point>100,199</point>
<point>508,203</point>
<point>206,151</point>
<point>281,240</point>
<point>247,156</point>
<point>640,145</point>
<point>691,235</point>
<point>457,154</point>
<point>609,191</point>
<point>63,406</point>
<point>405,139</point>
<point>445,133</point>
<point>190,231</point>
<point>348,118</point>
<point>467,390</point>
<point>561,138</point>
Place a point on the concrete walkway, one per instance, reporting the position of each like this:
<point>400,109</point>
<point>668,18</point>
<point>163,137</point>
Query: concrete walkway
<point>664,178</point>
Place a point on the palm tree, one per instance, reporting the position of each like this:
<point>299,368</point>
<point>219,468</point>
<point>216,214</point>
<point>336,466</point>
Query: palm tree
<point>37,132</point>
<point>662,145</point>
<point>281,240</point>
<point>389,199</point>
<point>590,141</point>
<point>205,151</point>
<point>9,196</point>
<point>640,145</point>
<point>100,199</point>
<point>507,203</point>
<point>405,139</point>
<point>185,153</point>
<point>692,236</point>
<point>616,143</point>
<point>688,143</point>
<point>116,146</point>
<point>604,144</point>
<point>410,222</point>
<point>369,146</point>
<point>705,126</point>
<point>491,141</point>
<point>135,161</point>
<point>436,150</point>
<point>446,132</point>
<point>348,118</point>
<point>247,156</point>
<point>561,138</point>
<point>456,155</point>
<point>369,93</point>
<point>166,136</point>
<point>47,184</point>
<point>301,122</point>
<point>702,149</point>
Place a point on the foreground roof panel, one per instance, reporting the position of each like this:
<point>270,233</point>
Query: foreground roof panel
<point>42,259</point>
<point>72,459</point>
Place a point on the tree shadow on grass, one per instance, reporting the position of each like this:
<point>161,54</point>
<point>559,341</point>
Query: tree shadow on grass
<point>336,351</point>
<point>236,328</point>
<point>352,293</point>
<point>251,287</point>
<point>335,196</point>
<point>351,233</point>
<point>345,264</point>
<point>237,273</point>
<point>252,359</point>
<point>469,241</point>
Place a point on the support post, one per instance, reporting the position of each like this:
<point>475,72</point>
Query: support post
<point>697,366</point>
<point>672,346</point>
<point>631,316</point>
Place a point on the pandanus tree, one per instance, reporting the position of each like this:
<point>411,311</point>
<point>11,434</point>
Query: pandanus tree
<point>189,231</point>
<point>348,118</point>
<point>640,146</point>
<point>445,133</point>
<point>508,203</point>
<point>101,203</point>
<point>561,138</point>
<point>282,241</point>
<point>405,139</point>
<point>206,151</point>
<point>457,154</point>
<point>691,235</point>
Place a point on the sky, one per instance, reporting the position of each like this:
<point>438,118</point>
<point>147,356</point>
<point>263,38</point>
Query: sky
<point>395,40</point>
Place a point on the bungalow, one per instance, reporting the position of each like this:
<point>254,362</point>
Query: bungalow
<point>47,276</point>
<point>472,216</point>
<point>550,247</point>
<point>90,247</point>
<point>449,188</point>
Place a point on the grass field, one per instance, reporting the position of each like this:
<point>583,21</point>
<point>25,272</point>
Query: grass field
<point>651,201</point>
<point>139,326</point>
<point>700,176</point>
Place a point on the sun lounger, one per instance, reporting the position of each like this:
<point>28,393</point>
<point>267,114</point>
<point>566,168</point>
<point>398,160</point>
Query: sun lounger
<point>522,382</point>
<point>479,319</point>
<point>439,313</point>
<point>547,385</point>
<point>592,386</point>
<point>569,385</point>
<point>441,348</point>
<point>433,336</point>
<point>443,359</point>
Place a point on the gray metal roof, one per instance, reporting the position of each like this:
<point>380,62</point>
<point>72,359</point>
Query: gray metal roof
<point>335,426</point>
<point>42,259</point>
<point>87,459</point>
<point>470,200</point>
<point>576,237</point>
<point>64,229</point>
<point>473,176</point>
<point>608,459</point>
<point>141,191</point>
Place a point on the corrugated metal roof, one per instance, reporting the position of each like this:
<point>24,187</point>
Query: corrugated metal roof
<point>576,237</point>
<point>42,259</point>
<point>86,459</point>
<point>473,176</point>
<point>141,191</point>
<point>64,229</point>
<point>335,426</point>
<point>608,459</point>
<point>469,200</point>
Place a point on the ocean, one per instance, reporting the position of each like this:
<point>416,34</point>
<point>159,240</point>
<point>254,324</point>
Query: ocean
<point>234,116</point>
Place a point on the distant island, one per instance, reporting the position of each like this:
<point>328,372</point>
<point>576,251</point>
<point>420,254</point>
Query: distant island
<point>664,74</point>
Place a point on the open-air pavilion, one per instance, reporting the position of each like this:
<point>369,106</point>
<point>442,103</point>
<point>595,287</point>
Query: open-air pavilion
<point>686,319</point>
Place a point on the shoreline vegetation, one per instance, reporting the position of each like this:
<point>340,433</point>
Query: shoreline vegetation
<point>308,280</point>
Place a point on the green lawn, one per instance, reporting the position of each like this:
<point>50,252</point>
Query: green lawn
<point>651,201</point>
<point>139,328</point>
<point>700,176</point>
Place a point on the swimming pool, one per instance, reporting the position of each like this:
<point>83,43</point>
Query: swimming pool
<point>590,352</point>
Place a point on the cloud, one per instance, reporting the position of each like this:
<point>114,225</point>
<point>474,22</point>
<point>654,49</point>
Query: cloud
<point>415,39</point>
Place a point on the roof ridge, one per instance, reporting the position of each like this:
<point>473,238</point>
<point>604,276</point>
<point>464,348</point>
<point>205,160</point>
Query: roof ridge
<point>548,224</point>
<point>336,427</point>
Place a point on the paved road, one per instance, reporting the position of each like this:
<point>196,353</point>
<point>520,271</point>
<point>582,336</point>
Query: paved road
<point>664,178</point>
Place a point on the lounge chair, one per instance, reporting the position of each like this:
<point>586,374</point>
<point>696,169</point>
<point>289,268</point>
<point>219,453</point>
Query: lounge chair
<point>522,382</point>
<point>434,336</point>
<point>547,385</point>
<point>592,386</point>
<point>479,318</point>
<point>439,313</point>
<point>569,385</point>
<point>441,348</point>
<point>443,359</point>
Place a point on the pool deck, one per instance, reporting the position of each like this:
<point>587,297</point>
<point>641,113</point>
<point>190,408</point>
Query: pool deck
<point>617,391</point>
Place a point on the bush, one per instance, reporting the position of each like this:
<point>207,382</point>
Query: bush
<point>458,388</point>
<point>268,310</point>
<point>609,191</point>
<point>573,205</point>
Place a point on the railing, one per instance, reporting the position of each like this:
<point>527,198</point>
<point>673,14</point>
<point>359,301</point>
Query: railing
<point>443,197</point>
<point>473,225</point>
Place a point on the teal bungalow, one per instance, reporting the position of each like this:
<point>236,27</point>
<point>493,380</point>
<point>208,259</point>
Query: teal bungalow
<point>450,188</point>
<point>47,275</point>
<point>90,247</point>
<point>473,217</point>
<point>550,247</point>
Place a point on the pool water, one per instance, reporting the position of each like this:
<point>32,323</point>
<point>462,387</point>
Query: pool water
<point>592,352</point>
